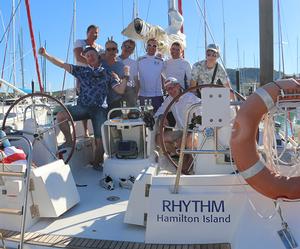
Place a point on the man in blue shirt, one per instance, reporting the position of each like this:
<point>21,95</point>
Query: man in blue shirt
<point>95,83</point>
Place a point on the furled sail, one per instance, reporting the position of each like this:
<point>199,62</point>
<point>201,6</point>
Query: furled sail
<point>138,29</point>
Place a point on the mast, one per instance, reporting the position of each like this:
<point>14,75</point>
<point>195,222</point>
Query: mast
<point>14,43</point>
<point>297,73</point>
<point>224,41</point>
<point>266,41</point>
<point>33,45</point>
<point>171,6</point>
<point>181,12</point>
<point>205,32</point>
<point>135,12</point>
<point>21,51</point>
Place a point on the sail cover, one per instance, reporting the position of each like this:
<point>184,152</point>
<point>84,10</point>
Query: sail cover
<point>138,29</point>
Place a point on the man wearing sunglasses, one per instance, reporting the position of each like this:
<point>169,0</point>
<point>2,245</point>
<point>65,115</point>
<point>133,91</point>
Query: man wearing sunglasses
<point>209,71</point>
<point>150,67</point>
<point>111,63</point>
<point>95,84</point>
<point>178,67</point>
<point>128,47</point>
<point>179,109</point>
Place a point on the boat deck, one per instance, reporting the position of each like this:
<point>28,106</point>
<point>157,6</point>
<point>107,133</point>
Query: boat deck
<point>58,241</point>
<point>95,222</point>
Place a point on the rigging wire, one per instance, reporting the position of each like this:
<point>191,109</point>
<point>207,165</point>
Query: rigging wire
<point>122,18</point>
<point>211,35</point>
<point>149,3</point>
<point>68,51</point>
<point>5,53</point>
<point>11,19</point>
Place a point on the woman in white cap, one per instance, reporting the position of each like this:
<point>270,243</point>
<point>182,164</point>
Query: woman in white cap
<point>209,71</point>
<point>179,110</point>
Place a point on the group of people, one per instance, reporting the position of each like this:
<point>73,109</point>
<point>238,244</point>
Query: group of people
<point>104,80</point>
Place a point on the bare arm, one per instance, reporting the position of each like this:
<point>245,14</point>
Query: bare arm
<point>55,61</point>
<point>78,55</point>
<point>119,88</point>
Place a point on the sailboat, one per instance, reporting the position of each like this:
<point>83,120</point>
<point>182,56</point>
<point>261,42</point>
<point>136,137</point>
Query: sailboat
<point>55,199</point>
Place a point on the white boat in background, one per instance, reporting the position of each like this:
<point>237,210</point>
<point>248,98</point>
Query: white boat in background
<point>55,199</point>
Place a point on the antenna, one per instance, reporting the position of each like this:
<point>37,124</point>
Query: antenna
<point>297,56</point>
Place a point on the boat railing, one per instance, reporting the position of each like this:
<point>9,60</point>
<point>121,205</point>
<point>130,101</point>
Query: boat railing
<point>26,180</point>
<point>183,149</point>
<point>9,85</point>
<point>124,110</point>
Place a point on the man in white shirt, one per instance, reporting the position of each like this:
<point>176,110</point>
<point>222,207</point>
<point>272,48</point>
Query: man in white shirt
<point>178,67</point>
<point>150,68</point>
<point>179,109</point>
<point>128,47</point>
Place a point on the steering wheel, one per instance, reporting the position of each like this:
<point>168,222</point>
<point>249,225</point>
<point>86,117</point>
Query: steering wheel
<point>162,126</point>
<point>38,102</point>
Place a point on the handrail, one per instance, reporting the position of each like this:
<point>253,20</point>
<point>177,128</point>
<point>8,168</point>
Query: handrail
<point>182,147</point>
<point>183,142</point>
<point>2,81</point>
<point>26,180</point>
<point>120,109</point>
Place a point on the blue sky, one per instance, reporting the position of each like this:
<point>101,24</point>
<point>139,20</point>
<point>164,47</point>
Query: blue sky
<point>52,22</point>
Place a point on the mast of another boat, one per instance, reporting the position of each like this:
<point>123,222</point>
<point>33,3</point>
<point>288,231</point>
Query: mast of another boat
<point>224,38</point>
<point>14,43</point>
<point>266,41</point>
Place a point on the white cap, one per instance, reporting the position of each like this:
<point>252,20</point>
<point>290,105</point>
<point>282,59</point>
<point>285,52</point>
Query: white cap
<point>213,47</point>
<point>170,80</point>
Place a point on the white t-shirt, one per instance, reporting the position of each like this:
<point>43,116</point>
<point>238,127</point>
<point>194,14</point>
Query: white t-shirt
<point>180,108</point>
<point>133,72</point>
<point>150,69</point>
<point>180,69</point>
<point>80,43</point>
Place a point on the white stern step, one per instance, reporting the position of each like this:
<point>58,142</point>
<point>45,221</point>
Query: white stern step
<point>10,173</point>
<point>10,211</point>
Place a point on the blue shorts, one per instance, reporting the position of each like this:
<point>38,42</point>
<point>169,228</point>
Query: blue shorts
<point>96,114</point>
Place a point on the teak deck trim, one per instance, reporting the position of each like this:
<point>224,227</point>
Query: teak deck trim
<point>58,241</point>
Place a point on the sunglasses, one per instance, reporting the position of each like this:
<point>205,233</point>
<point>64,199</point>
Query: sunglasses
<point>111,49</point>
<point>128,47</point>
<point>170,86</point>
<point>151,45</point>
<point>212,54</point>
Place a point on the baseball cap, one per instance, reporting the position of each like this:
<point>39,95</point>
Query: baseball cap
<point>88,48</point>
<point>171,80</point>
<point>213,47</point>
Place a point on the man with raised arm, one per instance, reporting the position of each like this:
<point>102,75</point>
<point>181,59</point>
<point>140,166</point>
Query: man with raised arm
<point>95,83</point>
<point>92,34</point>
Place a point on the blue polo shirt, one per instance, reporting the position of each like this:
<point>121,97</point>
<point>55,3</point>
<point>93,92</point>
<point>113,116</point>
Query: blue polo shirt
<point>118,68</point>
<point>95,84</point>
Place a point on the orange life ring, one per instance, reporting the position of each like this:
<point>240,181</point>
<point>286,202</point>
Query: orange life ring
<point>244,147</point>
